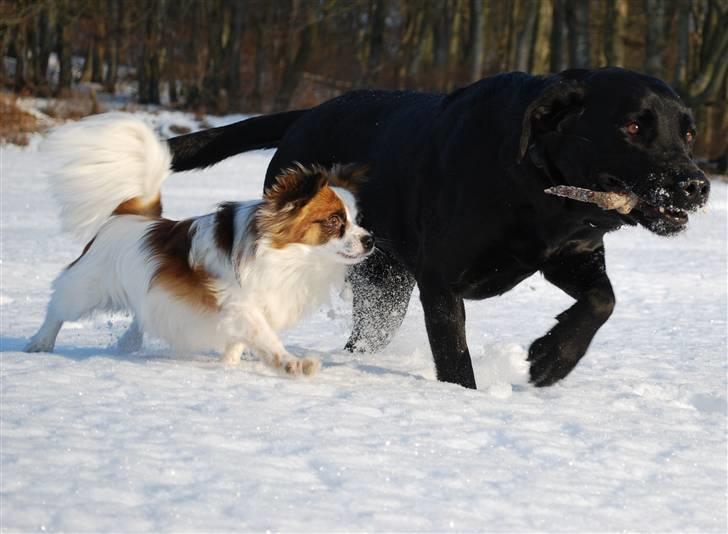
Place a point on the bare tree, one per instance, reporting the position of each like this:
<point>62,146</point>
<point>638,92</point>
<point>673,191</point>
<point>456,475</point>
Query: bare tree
<point>614,29</point>
<point>577,19</point>
<point>558,36</point>
<point>150,60</point>
<point>478,13</point>
<point>654,38</point>
<point>524,44</point>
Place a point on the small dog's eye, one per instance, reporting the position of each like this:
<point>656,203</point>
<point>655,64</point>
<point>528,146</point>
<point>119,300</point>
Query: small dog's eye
<point>632,128</point>
<point>689,136</point>
<point>334,220</point>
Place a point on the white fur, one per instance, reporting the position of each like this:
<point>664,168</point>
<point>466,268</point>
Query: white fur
<point>260,290</point>
<point>104,160</point>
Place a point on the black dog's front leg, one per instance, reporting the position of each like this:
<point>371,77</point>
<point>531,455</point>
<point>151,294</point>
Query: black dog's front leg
<point>583,276</point>
<point>445,322</point>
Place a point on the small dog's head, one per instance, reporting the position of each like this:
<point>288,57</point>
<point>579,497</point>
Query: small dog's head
<point>617,130</point>
<point>302,207</point>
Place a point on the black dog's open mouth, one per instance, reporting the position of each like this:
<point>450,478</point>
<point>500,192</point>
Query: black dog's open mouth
<point>673,216</point>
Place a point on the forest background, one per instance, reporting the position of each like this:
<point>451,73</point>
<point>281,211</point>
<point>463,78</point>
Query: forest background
<point>258,56</point>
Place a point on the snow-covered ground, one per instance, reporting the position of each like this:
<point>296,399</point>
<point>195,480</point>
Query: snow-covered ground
<point>633,440</point>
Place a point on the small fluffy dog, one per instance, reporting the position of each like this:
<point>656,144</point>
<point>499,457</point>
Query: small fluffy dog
<point>223,281</point>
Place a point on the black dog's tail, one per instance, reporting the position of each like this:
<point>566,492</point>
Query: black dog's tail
<point>205,148</point>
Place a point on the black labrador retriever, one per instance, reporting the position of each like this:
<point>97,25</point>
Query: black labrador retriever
<point>455,195</point>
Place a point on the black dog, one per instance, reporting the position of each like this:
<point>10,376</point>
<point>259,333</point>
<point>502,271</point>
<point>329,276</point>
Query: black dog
<point>456,194</point>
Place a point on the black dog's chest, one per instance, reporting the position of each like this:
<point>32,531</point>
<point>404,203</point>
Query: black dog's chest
<point>493,284</point>
<point>500,266</point>
<point>493,274</point>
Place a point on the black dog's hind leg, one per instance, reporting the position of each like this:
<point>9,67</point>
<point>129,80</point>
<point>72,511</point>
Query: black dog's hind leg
<point>445,322</point>
<point>583,276</point>
<point>382,289</point>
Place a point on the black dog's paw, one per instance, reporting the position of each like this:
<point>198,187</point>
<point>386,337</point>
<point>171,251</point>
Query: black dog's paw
<point>549,363</point>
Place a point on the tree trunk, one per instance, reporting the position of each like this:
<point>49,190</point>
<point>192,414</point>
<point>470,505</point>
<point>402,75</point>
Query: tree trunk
<point>524,43</point>
<point>86,69</point>
<point>97,64</point>
<point>540,51</point>
<point>441,42</point>
<point>294,68</point>
<point>21,57</point>
<point>64,32</point>
<point>113,44</point>
<point>558,36</point>
<point>513,15</point>
<point>42,48</point>
<point>261,63</point>
<point>614,30</point>
<point>374,45</point>
<point>711,76</point>
<point>654,37</point>
<point>577,19</point>
<point>149,65</point>
<point>477,38</point>
<point>212,81</point>
<point>236,35</point>
<point>680,75</point>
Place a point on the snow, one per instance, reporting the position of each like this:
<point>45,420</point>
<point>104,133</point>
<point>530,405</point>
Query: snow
<point>634,439</point>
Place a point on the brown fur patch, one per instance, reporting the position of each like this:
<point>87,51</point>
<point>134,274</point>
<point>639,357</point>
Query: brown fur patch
<point>139,206</point>
<point>308,223</point>
<point>168,243</point>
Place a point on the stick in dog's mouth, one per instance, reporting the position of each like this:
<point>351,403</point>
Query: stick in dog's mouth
<point>623,202</point>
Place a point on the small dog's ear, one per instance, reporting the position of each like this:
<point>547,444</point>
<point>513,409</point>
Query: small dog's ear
<point>295,186</point>
<point>549,112</point>
<point>350,176</point>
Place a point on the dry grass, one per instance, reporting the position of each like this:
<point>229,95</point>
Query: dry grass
<point>73,107</point>
<point>16,125</point>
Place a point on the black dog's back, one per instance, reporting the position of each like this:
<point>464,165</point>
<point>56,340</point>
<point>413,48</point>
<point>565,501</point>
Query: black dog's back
<point>358,126</point>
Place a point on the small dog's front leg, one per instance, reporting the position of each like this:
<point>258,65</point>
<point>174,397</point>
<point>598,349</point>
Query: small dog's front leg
<point>231,355</point>
<point>264,342</point>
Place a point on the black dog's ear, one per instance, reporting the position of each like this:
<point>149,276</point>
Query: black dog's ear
<point>550,110</point>
<point>295,186</point>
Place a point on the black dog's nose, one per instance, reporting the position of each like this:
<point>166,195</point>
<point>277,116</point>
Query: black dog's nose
<point>367,242</point>
<point>696,189</point>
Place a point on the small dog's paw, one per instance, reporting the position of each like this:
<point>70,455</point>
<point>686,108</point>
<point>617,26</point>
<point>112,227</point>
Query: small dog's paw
<point>293,367</point>
<point>39,345</point>
<point>311,366</point>
<point>230,359</point>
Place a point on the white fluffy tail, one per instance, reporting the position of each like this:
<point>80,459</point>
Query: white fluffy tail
<point>110,163</point>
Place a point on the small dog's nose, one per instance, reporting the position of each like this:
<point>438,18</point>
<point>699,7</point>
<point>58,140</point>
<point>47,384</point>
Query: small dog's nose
<point>696,189</point>
<point>367,242</point>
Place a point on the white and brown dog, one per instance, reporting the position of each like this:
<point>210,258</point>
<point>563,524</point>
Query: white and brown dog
<point>223,281</point>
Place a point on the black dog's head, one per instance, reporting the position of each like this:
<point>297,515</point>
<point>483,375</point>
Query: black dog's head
<point>616,130</point>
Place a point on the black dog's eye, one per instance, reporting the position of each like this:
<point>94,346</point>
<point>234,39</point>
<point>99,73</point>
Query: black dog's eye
<point>632,128</point>
<point>690,136</point>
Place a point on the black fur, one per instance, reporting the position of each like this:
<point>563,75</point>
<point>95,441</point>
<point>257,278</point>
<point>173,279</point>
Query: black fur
<point>202,149</point>
<point>225,227</point>
<point>455,195</point>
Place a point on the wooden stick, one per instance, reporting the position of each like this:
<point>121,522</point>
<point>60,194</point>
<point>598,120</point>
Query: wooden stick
<point>622,202</point>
